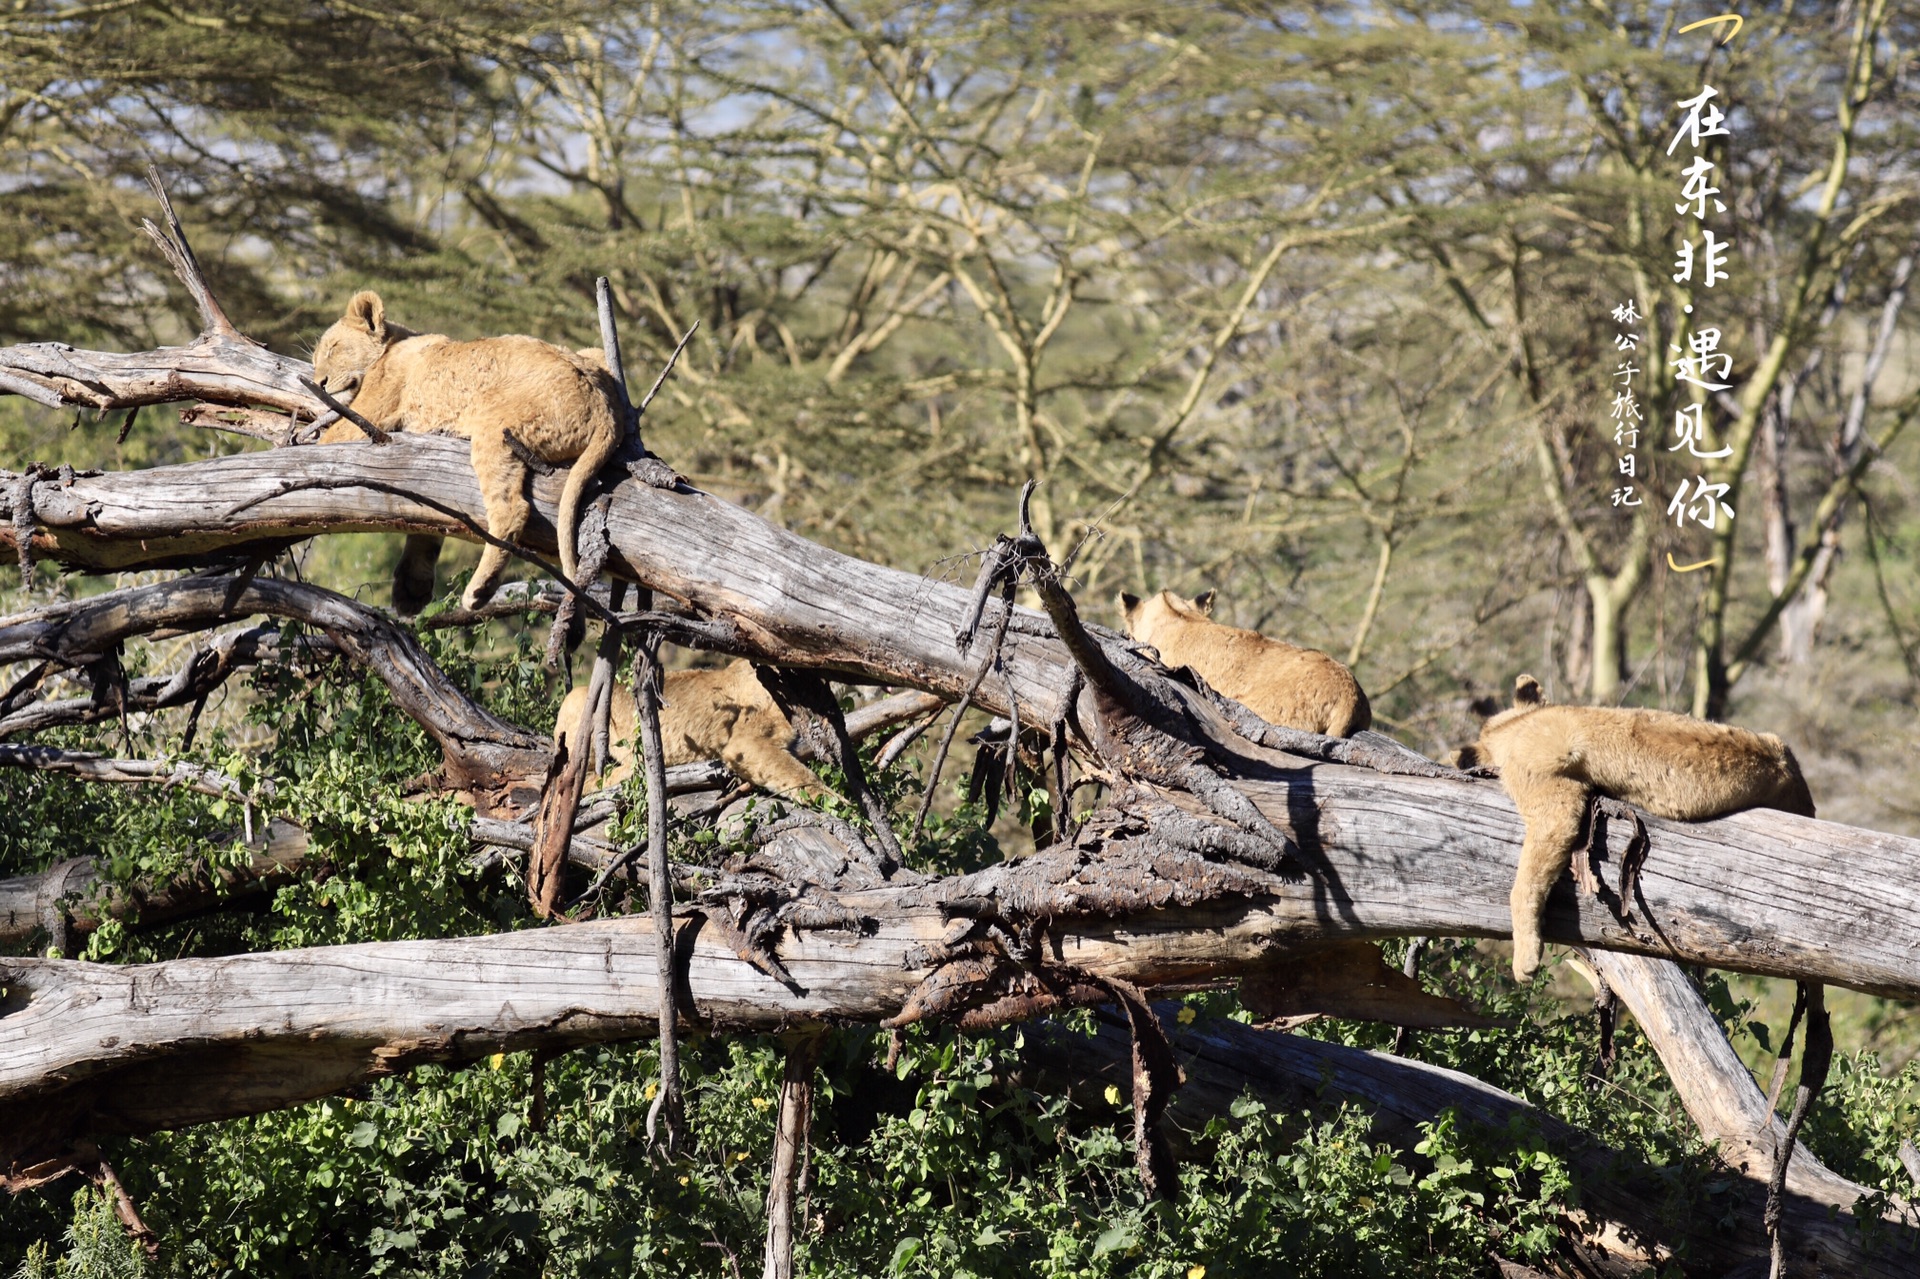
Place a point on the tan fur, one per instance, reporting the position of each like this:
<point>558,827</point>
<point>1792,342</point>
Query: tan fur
<point>726,714</point>
<point>1552,758</point>
<point>558,403</point>
<point>1280,682</point>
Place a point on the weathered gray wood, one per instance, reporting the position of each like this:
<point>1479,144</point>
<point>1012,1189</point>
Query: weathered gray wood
<point>1617,1229</point>
<point>219,368</point>
<point>77,887</point>
<point>1728,1107</point>
<point>1120,905</point>
<point>1387,854</point>
<point>796,603</point>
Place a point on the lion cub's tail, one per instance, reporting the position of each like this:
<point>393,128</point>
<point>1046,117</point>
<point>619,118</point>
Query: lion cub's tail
<point>602,440</point>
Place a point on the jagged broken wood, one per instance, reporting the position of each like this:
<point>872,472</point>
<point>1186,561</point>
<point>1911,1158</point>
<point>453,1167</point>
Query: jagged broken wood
<point>1161,886</point>
<point>1760,893</point>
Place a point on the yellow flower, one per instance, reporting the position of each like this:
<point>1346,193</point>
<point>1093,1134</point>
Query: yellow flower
<point>653,1089</point>
<point>761,1103</point>
<point>1185,1017</point>
<point>497,1060</point>
<point>683,1181</point>
<point>1113,1095</point>
<point>1196,1272</point>
<point>740,1157</point>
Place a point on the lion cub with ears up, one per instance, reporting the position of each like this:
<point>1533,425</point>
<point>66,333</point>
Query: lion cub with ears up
<point>1281,683</point>
<point>562,405</point>
<point>726,714</point>
<point>1553,758</point>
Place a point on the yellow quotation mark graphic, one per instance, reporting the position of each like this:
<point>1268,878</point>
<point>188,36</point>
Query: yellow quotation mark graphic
<point>1734,18</point>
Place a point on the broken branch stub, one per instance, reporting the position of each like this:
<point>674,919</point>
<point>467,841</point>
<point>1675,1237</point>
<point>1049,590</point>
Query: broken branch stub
<point>1389,850</point>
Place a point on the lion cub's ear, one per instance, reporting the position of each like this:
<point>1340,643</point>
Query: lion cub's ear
<point>1464,758</point>
<point>1129,605</point>
<point>1204,602</point>
<point>370,313</point>
<point>1526,692</point>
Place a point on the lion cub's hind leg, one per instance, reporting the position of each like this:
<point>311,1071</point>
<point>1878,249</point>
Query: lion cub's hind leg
<point>503,487</point>
<point>1554,809</point>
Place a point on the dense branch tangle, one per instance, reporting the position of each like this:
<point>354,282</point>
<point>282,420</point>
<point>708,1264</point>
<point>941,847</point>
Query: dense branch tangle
<point>1223,844</point>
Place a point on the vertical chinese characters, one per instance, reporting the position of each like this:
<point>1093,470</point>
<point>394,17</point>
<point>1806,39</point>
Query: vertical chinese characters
<point>1626,406</point>
<point>1700,368</point>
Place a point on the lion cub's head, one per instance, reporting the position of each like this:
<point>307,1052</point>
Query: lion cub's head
<point>1144,618</point>
<point>354,341</point>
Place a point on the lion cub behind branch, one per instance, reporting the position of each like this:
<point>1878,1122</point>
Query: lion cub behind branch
<point>561,405</point>
<point>726,713</point>
<point>1281,683</point>
<point>1552,758</point>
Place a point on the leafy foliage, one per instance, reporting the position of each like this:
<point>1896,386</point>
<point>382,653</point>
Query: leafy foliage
<point>1306,303</point>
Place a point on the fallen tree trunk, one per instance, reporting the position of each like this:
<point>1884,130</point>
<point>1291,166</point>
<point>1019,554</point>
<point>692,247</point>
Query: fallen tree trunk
<point>75,893</point>
<point>1728,1107</point>
<point>1213,858</point>
<point>1617,1226</point>
<point>1385,854</point>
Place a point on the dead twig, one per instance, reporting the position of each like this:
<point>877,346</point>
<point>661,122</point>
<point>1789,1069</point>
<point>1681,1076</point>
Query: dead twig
<point>179,254</point>
<point>790,1133</point>
<point>372,432</point>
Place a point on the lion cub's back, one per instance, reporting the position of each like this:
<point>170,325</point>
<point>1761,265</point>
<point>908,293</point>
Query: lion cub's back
<point>697,715</point>
<point>1693,769</point>
<point>1670,764</point>
<point>1282,683</point>
<point>548,397</point>
<point>701,707</point>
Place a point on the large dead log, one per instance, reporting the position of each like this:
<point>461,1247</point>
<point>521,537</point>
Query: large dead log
<point>1384,854</point>
<point>75,895</point>
<point>1617,1227</point>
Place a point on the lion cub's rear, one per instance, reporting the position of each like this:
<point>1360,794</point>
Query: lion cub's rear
<point>560,405</point>
<point>1283,684</point>
<point>1552,758</point>
<point>726,713</point>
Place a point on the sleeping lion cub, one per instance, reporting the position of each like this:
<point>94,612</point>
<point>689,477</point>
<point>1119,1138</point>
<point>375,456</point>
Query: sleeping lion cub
<point>726,714</point>
<point>562,405</point>
<point>1282,683</point>
<point>1552,758</point>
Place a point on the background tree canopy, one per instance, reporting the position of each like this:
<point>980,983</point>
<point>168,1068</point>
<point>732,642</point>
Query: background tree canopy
<point>1311,304</point>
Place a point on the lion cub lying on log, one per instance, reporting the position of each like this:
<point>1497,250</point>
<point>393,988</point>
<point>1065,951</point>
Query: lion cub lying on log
<point>561,405</point>
<point>726,714</point>
<point>1281,683</point>
<point>1553,758</point>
